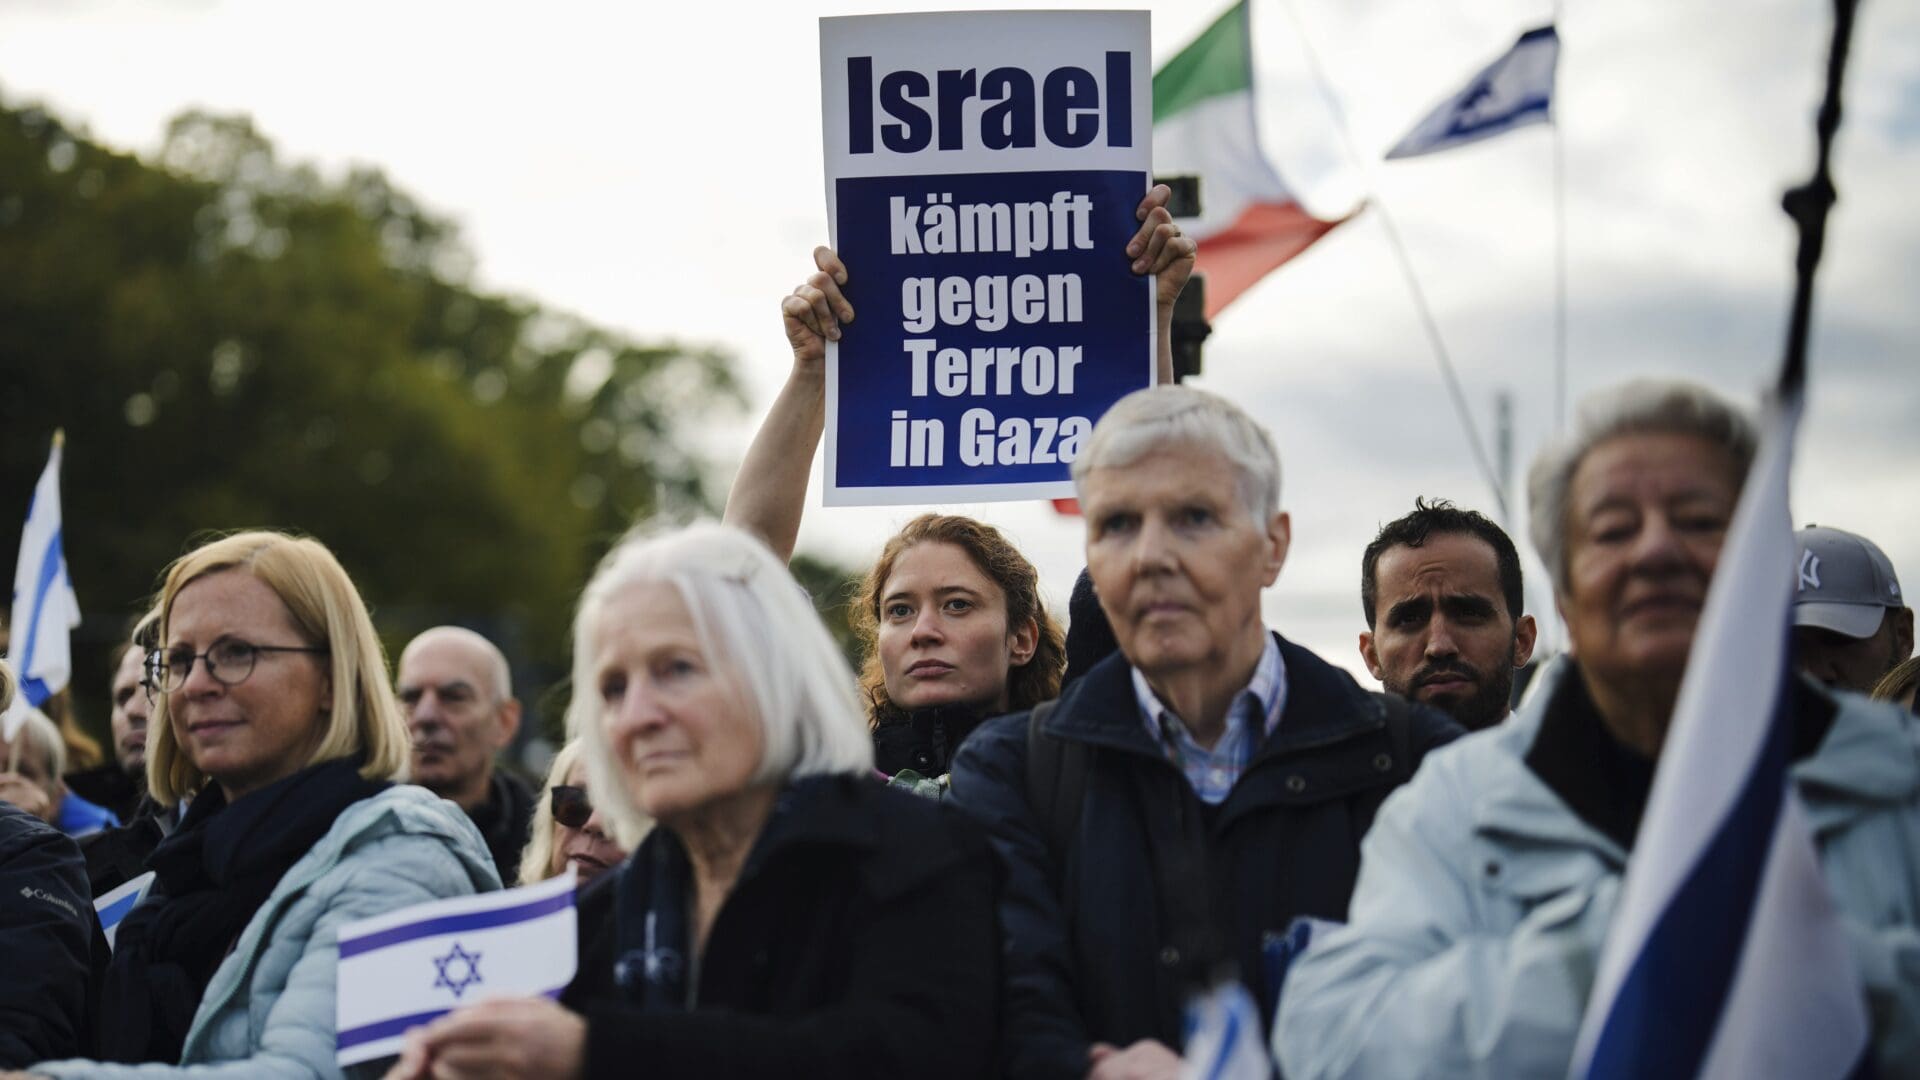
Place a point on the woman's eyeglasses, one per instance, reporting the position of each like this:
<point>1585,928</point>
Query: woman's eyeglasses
<point>571,807</point>
<point>229,661</point>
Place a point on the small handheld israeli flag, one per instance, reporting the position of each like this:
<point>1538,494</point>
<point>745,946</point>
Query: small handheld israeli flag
<point>408,967</point>
<point>113,906</point>
<point>1224,1040</point>
<point>1511,92</point>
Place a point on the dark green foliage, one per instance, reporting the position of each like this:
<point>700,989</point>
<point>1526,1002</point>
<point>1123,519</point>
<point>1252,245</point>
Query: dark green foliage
<point>233,341</point>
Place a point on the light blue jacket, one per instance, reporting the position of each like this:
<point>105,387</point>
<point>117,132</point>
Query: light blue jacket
<point>1483,902</point>
<point>269,1011</point>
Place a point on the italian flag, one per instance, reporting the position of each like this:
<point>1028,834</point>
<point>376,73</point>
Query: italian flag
<point>1203,124</point>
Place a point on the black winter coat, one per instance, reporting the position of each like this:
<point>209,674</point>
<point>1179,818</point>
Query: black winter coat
<point>47,938</point>
<point>859,941</point>
<point>1093,952</point>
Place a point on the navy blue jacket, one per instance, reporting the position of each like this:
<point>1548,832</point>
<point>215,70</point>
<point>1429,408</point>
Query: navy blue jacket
<point>47,934</point>
<point>1092,951</point>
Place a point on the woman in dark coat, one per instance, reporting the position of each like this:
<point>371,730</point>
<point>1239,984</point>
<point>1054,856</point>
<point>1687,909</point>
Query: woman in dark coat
<point>787,915</point>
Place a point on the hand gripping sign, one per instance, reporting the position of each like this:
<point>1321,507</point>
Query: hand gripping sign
<point>982,175</point>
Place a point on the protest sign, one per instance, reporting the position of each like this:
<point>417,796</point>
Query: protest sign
<point>982,175</point>
<point>407,967</point>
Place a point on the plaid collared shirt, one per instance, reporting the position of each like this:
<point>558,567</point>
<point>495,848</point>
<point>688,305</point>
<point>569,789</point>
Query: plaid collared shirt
<point>1214,772</point>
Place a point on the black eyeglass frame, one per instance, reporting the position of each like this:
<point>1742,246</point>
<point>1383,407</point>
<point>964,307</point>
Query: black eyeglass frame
<point>574,798</point>
<point>159,670</point>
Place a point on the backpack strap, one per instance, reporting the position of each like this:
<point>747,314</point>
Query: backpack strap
<point>1056,780</point>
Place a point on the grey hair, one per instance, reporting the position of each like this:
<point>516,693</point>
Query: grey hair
<point>1638,407</point>
<point>761,633</point>
<point>41,732</point>
<point>1160,416</point>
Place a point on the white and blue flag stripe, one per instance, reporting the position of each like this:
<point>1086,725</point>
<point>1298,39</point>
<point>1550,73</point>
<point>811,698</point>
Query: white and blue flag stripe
<point>112,907</point>
<point>1726,957</point>
<point>408,967</point>
<point>44,607</point>
<point>1511,92</point>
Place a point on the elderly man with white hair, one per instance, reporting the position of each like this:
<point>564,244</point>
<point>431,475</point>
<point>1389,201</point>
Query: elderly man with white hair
<point>1488,884</point>
<point>1183,801</point>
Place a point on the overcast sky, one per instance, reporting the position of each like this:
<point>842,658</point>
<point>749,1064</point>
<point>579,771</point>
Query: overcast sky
<point>657,167</point>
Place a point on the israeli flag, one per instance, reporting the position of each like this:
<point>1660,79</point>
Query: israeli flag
<point>112,907</point>
<point>1511,92</point>
<point>1224,1038</point>
<point>1726,957</point>
<point>44,607</point>
<point>408,967</point>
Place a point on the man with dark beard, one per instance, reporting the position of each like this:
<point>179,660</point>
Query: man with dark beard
<point>1443,598</point>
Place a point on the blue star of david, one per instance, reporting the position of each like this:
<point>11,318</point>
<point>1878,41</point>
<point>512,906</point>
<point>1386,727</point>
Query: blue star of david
<point>468,977</point>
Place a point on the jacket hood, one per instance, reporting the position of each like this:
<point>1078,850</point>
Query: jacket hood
<point>406,808</point>
<point>1871,756</point>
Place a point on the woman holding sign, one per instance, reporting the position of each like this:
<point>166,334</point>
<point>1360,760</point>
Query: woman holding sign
<point>786,916</point>
<point>277,723</point>
<point>950,614</point>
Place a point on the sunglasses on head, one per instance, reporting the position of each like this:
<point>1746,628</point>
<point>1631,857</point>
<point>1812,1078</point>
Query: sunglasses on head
<point>571,807</point>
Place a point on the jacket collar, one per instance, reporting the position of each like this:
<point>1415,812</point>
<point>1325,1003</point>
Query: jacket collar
<point>815,811</point>
<point>1324,705</point>
<point>1870,756</point>
<point>823,812</point>
<point>1513,805</point>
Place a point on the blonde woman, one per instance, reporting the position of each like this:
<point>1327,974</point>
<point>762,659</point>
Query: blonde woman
<point>274,720</point>
<point>567,828</point>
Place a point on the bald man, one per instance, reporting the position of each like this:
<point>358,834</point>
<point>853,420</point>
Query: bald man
<point>458,696</point>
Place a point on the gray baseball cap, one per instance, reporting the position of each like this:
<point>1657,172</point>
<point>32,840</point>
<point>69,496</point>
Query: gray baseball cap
<point>1846,583</point>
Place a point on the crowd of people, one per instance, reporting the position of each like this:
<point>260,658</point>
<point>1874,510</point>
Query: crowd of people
<point>1002,848</point>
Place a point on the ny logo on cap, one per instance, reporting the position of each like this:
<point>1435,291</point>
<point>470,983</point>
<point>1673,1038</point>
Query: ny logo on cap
<point>1809,570</point>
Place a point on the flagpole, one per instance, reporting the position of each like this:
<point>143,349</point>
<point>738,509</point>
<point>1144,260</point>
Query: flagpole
<point>1808,205</point>
<point>1428,324</point>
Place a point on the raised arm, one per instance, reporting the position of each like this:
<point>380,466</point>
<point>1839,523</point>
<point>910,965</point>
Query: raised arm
<point>770,493</point>
<point>1160,248</point>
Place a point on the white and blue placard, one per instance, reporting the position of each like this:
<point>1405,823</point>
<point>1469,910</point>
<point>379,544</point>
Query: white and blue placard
<point>982,175</point>
<point>408,967</point>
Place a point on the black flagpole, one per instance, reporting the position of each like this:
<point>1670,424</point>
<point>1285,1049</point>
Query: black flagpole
<point>1808,205</point>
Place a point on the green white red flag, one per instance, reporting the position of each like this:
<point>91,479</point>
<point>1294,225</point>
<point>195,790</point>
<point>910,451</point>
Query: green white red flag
<point>1203,123</point>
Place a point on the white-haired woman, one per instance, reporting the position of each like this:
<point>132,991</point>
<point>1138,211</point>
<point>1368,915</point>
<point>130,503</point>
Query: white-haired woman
<point>1488,884</point>
<point>275,720</point>
<point>787,915</point>
<point>568,829</point>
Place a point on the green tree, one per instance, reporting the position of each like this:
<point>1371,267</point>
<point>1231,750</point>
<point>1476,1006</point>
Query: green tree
<point>231,340</point>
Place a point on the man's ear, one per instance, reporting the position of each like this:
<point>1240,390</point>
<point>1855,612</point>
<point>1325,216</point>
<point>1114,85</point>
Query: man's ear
<point>1525,633</point>
<point>1279,538</point>
<point>509,721</point>
<point>1369,654</point>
